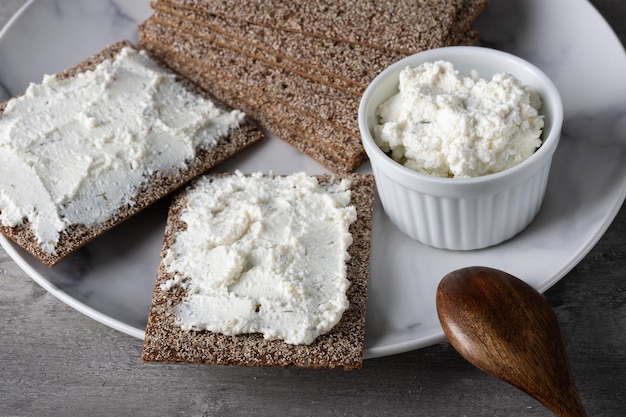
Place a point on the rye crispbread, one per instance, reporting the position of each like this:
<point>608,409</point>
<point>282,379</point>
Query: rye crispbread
<point>156,187</point>
<point>341,347</point>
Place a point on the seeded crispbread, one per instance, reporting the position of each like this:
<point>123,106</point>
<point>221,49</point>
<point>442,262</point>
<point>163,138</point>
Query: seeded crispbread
<point>341,347</point>
<point>155,188</point>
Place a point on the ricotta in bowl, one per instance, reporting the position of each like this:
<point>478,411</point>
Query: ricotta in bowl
<point>450,124</point>
<point>460,140</point>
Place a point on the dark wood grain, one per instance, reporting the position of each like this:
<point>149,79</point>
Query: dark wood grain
<point>505,327</point>
<point>54,361</point>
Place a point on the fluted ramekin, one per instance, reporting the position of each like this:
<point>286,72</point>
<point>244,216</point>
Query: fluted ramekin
<point>463,213</point>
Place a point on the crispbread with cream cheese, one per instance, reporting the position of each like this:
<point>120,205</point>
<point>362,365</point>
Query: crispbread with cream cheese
<point>156,187</point>
<point>341,347</point>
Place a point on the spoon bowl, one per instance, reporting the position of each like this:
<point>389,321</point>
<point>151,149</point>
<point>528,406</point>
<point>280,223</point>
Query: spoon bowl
<point>506,328</point>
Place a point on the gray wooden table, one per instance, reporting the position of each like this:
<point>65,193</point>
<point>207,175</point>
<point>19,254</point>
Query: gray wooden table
<point>56,361</point>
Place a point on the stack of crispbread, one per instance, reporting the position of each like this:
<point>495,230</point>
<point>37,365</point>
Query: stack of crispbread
<point>299,68</point>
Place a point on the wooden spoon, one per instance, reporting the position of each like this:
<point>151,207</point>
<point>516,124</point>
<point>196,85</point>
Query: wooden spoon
<point>505,327</point>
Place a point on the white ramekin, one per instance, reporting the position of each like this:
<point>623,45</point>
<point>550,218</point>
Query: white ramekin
<point>472,213</point>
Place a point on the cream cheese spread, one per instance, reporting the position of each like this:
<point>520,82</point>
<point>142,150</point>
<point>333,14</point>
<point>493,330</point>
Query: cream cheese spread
<point>263,254</point>
<point>448,124</point>
<point>74,151</point>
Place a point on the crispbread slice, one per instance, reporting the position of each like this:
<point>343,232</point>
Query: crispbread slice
<point>334,148</point>
<point>403,25</point>
<point>341,347</point>
<point>155,188</point>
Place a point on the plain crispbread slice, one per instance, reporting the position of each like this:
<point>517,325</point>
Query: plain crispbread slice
<point>155,188</point>
<point>341,347</point>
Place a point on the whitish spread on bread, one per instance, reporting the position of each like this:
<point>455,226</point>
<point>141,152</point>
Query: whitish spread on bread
<point>449,124</point>
<point>263,254</point>
<point>74,151</point>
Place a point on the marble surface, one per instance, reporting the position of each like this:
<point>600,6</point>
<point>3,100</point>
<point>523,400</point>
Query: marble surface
<point>57,361</point>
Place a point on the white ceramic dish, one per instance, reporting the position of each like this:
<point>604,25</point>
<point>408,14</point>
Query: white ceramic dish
<point>111,279</point>
<point>462,213</point>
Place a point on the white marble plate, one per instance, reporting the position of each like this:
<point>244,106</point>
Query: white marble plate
<point>111,279</point>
